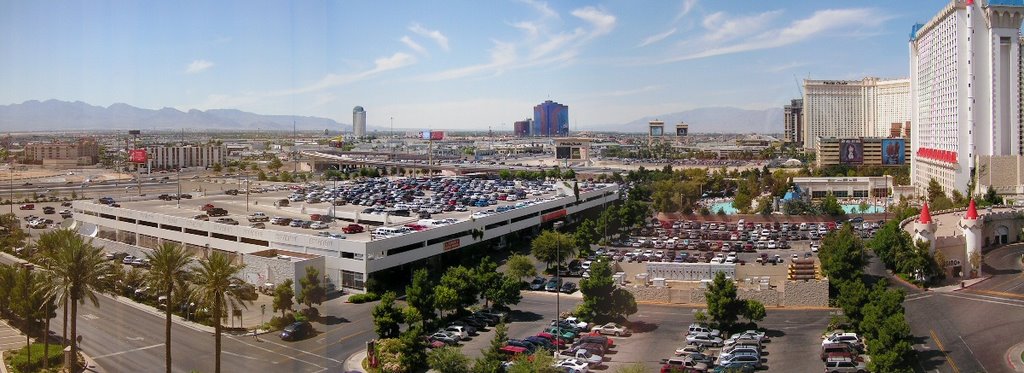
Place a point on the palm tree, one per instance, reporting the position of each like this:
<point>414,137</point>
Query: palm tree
<point>213,280</point>
<point>74,272</point>
<point>169,264</point>
<point>46,245</point>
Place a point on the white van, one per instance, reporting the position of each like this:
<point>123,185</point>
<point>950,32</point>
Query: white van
<point>384,232</point>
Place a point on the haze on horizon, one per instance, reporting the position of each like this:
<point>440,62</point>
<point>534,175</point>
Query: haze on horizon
<point>455,65</point>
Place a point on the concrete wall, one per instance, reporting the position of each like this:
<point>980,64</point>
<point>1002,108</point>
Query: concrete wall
<point>260,270</point>
<point>801,293</point>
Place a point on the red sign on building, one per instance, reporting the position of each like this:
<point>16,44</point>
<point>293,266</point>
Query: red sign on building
<point>137,156</point>
<point>552,216</point>
<point>452,244</point>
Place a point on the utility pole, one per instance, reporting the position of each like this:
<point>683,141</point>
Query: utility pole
<point>558,263</point>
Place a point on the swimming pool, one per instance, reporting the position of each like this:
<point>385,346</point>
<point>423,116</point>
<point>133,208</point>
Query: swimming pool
<point>849,209</point>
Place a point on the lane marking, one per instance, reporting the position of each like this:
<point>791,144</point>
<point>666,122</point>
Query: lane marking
<point>972,353</point>
<point>943,350</point>
<point>998,295</point>
<point>910,299</point>
<point>238,355</point>
<point>127,351</point>
<point>988,301</point>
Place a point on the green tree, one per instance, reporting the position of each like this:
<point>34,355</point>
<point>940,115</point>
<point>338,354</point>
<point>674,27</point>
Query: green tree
<point>213,279</point>
<point>274,164</point>
<point>842,255</point>
<point>217,167</point>
<point>486,277</point>
<point>753,311</point>
<point>852,296</point>
<point>311,289</point>
<point>285,176</point>
<point>261,176</point>
<point>386,316</point>
<point>420,293</point>
<point>508,292</point>
<point>169,263</point>
<point>283,294</point>
<point>492,356</point>
<point>991,197</point>
<point>539,362</point>
<point>73,273</point>
<point>551,246</point>
<point>602,300</point>
<point>830,206</point>
<point>884,302</point>
<point>445,299</point>
<point>462,280</point>
<point>934,190</point>
<point>519,266</point>
<point>412,355</point>
<point>448,360</point>
<point>585,235</point>
<point>723,306</point>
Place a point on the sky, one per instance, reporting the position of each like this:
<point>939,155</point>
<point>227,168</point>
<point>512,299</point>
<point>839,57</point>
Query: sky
<point>458,64</point>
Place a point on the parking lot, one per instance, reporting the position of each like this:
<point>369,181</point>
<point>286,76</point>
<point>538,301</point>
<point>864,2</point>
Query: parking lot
<point>658,330</point>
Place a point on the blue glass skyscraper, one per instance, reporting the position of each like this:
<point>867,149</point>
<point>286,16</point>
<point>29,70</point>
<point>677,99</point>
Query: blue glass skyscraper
<point>550,119</point>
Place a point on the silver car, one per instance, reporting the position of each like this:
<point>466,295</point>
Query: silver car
<point>704,339</point>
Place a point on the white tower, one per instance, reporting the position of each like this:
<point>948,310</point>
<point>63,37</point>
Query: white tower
<point>359,122</point>
<point>971,225</point>
<point>924,229</point>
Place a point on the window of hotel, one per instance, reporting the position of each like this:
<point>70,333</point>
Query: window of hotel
<point>195,232</point>
<point>351,279</point>
<point>147,223</point>
<point>224,236</point>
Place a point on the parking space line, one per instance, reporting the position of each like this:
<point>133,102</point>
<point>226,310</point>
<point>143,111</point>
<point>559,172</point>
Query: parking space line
<point>943,350</point>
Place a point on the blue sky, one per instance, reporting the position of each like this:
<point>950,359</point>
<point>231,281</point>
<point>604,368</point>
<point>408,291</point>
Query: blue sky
<point>446,65</point>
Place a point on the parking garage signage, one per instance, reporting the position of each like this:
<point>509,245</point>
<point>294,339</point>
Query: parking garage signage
<point>553,215</point>
<point>452,244</point>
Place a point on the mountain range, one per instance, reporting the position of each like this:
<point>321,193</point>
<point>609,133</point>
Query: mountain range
<point>75,116</point>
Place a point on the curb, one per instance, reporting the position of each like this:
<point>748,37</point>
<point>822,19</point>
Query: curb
<point>1013,358</point>
<point>354,362</point>
<point>702,306</point>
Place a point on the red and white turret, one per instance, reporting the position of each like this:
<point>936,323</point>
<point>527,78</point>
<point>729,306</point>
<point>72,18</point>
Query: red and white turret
<point>924,228</point>
<point>971,225</point>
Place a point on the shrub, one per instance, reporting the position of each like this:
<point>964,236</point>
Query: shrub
<point>278,322</point>
<point>20,363</point>
<point>363,298</point>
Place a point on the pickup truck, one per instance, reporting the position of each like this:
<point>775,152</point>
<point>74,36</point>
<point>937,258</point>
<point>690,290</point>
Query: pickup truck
<point>257,217</point>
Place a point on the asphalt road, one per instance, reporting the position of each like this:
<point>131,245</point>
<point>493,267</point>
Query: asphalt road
<point>970,330</point>
<point>122,338</point>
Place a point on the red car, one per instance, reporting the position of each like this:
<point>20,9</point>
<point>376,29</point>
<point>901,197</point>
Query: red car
<point>352,229</point>
<point>28,206</point>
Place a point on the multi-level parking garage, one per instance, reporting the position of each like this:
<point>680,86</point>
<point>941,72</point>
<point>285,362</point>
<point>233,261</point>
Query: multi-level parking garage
<point>347,258</point>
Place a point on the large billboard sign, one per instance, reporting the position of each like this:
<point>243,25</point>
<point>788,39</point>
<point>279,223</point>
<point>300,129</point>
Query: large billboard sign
<point>137,156</point>
<point>681,131</point>
<point>851,151</point>
<point>893,151</point>
<point>432,135</point>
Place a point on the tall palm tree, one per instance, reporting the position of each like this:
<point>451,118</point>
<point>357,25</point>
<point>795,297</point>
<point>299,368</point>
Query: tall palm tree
<point>45,246</point>
<point>213,279</point>
<point>75,271</point>
<point>169,264</point>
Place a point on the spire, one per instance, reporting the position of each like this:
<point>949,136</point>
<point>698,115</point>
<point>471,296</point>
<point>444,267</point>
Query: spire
<point>926,217</point>
<point>972,211</point>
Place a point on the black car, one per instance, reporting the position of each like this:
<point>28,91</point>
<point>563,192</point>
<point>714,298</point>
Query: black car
<point>297,331</point>
<point>569,287</point>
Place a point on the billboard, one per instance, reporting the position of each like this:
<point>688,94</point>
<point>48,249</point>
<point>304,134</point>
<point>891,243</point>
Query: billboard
<point>893,151</point>
<point>432,135</point>
<point>563,152</point>
<point>137,156</point>
<point>851,151</point>
<point>681,131</point>
<point>657,130</point>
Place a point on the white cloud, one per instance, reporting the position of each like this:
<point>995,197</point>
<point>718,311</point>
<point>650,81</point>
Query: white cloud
<point>656,38</point>
<point>602,21</point>
<point>198,66</point>
<point>723,27</point>
<point>542,8</point>
<point>623,93</point>
<point>818,24</point>
<point>787,66</point>
<point>413,45</point>
<point>686,8</point>
<point>531,28</point>
<point>436,35</point>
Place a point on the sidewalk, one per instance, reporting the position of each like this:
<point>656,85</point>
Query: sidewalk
<point>200,327</point>
<point>1013,357</point>
<point>957,287</point>
<point>354,363</point>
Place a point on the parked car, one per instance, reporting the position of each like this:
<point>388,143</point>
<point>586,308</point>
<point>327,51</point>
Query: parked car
<point>27,206</point>
<point>448,338</point>
<point>553,284</point>
<point>352,229</point>
<point>703,339</point>
<point>611,329</point>
<point>569,287</point>
<point>459,331</point>
<point>537,283</point>
<point>843,365</point>
<point>699,329</point>
<point>582,354</point>
<point>296,331</point>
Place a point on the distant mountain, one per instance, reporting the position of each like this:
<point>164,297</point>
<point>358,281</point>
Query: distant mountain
<point>710,120</point>
<point>62,115</point>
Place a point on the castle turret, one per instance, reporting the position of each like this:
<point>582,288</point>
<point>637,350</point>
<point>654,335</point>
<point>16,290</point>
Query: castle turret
<point>924,229</point>
<point>971,224</point>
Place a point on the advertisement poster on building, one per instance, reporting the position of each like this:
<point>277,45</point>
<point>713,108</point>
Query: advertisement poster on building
<point>851,151</point>
<point>137,156</point>
<point>893,151</point>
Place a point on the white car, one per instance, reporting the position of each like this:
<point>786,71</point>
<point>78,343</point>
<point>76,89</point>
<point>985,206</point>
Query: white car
<point>689,349</point>
<point>705,340</point>
<point>458,330</point>
<point>577,322</point>
<point>592,360</point>
<point>701,329</point>
<point>611,328</point>
<point>574,365</point>
<point>815,247</point>
<point>728,353</point>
